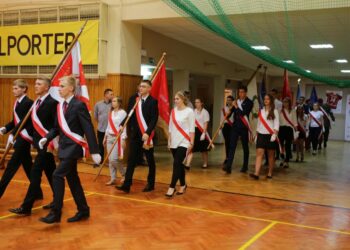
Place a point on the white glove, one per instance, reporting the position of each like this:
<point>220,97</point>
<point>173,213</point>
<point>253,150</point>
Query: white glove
<point>2,131</point>
<point>202,138</point>
<point>323,129</point>
<point>42,142</point>
<point>10,139</point>
<point>273,138</point>
<point>96,158</point>
<point>307,133</point>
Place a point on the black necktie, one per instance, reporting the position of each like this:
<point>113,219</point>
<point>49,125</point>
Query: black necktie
<point>142,102</point>
<point>65,106</point>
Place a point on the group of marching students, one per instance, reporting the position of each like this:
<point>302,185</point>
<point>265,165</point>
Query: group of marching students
<point>66,125</point>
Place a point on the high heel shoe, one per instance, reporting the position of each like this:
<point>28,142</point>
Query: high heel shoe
<point>169,195</point>
<point>183,190</point>
<point>187,167</point>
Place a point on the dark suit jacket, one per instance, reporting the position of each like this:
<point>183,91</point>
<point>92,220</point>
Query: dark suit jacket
<point>247,107</point>
<point>150,113</point>
<point>47,113</point>
<point>21,110</point>
<point>79,122</point>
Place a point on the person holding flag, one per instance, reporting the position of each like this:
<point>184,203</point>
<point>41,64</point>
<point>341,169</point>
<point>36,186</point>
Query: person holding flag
<point>43,118</point>
<point>73,122</point>
<point>240,128</point>
<point>21,155</point>
<point>228,123</point>
<point>141,128</point>
<point>115,118</point>
<point>303,128</point>
<point>328,118</point>
<point>180,142</point>
<point>316,126</point>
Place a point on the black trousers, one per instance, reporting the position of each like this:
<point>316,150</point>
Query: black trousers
<point>179,155</point>
<point>21,156</point>
<point>226,130</point>
<point>100,137</point>
<point>68,168</point>
<point>235,134</point>
<point>325,136</point>
<point>135,150</point>
<point>44,161</point>
<point>314,136</point>
<point>286,137</point>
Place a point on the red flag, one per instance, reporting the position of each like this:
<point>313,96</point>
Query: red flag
<point>286,92</point>
<point>160,92</point>
<point>72,66</point>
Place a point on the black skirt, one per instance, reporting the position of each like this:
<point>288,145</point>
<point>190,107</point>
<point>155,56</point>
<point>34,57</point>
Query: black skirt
<point>263,141</point>
<point>200,146</point>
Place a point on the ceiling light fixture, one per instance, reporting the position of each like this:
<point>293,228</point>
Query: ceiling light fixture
<point>346,71</point>
<point>308,71</point>
<point>260,47</point>
<point>288,61</point>
<point>341,61</point>
<point>321,46</point>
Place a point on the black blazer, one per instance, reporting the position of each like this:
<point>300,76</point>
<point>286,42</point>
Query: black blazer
<point>21,110</point>
<point>150,113</point>
<point>247,107</point>
<point>47,113</point>
<point>79,121</point>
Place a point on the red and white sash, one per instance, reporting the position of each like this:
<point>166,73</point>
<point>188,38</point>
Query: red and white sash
<point>325,114</point>
<point>287,118</point>
<point>246,123</point>
<point>116,132</point>
<point>38,126</point>
<point>317,121</point>
<point>198,125</point>
<point>142,122</point>
<point>178,127</point>
<point>23,133</point>
<point>66,130</point>
<point>301,127</point>
<point>227,118</point>
<point>268,128</point>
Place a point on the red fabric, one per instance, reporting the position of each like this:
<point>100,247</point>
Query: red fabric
<point>286,92</point>
<point>110,120</point>
<point>178,126</point>
<point>227,119</point>
<point>160,92</point>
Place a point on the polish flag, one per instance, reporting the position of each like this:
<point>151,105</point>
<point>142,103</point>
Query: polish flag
<point>72,66</point>
<point>286,92</point>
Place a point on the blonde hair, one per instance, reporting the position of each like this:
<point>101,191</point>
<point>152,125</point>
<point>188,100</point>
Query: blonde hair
<point>119,100</point>
<point>182,96</point>
<point>21,83</point>
<point>70,80</point>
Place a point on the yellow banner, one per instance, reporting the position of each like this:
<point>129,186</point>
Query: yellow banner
<point>45,44</point>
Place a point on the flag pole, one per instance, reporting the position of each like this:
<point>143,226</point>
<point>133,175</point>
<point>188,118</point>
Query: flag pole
<point>211,144</point>
<point>23,122</point>
<point>154,73</point>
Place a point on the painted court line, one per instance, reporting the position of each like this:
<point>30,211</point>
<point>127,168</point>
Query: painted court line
<point>258,235</point>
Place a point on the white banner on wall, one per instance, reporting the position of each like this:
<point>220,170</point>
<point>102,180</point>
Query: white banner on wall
<point>347,119</point>
<point>334,100</point>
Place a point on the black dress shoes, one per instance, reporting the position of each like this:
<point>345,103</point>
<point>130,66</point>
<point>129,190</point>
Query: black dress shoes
<point>243,170</point>
<point>48,206</point>
<point>79,216</point>
<point>20,211</point>
<point>123,188</point>
<point>148,188</point>
<point>51,218</point>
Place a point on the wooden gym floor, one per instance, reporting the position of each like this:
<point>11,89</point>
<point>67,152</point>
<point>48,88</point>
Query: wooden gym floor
<point>304,207</point>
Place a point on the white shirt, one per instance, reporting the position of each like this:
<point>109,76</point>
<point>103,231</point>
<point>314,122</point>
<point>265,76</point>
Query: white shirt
<point>20,98</point>
<point>292,116</point>
<point>227,110</point>
<point>42,99</point>
<point>318,115</point>
<point>68,99</point>
<point>117,118</point>
<point>201,116</point>
<point>273,124</point>
<point>278,105</point>
<point>185,119</point>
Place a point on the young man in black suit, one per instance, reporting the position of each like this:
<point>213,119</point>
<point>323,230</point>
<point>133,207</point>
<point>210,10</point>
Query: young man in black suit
<point>21,155</point>
<point>141,135</point>
<point>43,119</point>
<point>240,128</point>
<point>73,122</point>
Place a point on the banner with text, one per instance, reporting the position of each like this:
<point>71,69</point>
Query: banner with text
<point>45,44</point>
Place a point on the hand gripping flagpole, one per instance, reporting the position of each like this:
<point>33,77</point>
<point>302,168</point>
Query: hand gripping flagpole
<point>211,144</point>
<point>23,122</point>
<point>155,72</point>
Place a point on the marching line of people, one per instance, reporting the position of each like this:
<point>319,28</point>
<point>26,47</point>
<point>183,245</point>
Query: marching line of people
<point>67,126</point>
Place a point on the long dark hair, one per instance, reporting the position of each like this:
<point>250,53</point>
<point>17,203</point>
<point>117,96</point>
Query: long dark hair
<point>271,114</point>
<point>301,112</point>
<point>287,99</point>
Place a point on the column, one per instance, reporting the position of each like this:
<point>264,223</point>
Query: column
<point>219,94</point>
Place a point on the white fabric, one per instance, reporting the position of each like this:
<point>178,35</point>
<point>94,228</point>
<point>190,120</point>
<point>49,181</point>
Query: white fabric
<point>113,159</point>
<point>42,98</point>
<point>227,110</point>
<point>42,143</point>
<point>142,119</point>
<point>278,105</point>
<point>117,118</point>
<point>10,140</point>
<point>96,158</point>
<point>185,119</point>
<point>24,133</point>
<point>201,116</point>
<point>19,100</point>
<point>2,131</point>
<point>274,124</point>
<point>292,116</point>
<point>318,115</point>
